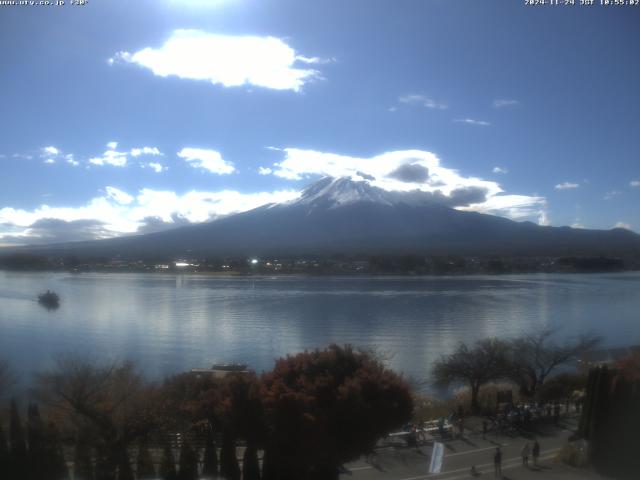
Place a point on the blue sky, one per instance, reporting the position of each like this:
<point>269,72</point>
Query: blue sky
<point>120,117</point>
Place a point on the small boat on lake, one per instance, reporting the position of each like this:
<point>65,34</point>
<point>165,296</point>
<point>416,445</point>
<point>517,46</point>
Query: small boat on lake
<point>49,300</point>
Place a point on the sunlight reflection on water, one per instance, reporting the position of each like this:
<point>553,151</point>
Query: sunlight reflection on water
<point>170,323</point>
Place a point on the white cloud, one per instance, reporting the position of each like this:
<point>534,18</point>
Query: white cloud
<point>471,121</point>
<point>50,151</point>
<point>500,170</point>
<point>503,102</point>
<point>110,157</point>
<point>209,160</point>
<point>112,145</point>
<point>577,224</point>
<point>227,60</point>
<point>314,60</point>
<point>381,170</point>
<point>70,160</point>
<point>622,225</point>
<point>119,196</point>
<point>136,152</point>
<point>566,186</point>
<point>634,183</point>
<point>265,171</point>
<point>155,166</point>
<point>53,155</point>
<point>119,213</point>
<point>423,101</point>
<point>543,218</point>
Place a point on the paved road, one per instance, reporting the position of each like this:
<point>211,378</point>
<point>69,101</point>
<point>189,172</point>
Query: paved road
<point>398,462</point>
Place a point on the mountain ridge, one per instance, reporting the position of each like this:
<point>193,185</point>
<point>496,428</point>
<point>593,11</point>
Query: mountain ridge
<point>343,216</point>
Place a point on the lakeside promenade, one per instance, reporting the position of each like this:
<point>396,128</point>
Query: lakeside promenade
<point>396,461</point>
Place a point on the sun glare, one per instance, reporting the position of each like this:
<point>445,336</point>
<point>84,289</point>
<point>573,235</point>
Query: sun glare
<point>198,4</point>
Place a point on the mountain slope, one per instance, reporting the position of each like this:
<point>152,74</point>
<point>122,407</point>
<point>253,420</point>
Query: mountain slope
<point>343,216</point>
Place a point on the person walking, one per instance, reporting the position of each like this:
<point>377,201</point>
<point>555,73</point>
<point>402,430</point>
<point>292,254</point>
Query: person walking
<point>535,452</point>
<point>497,463</point>
<point>525,452</point>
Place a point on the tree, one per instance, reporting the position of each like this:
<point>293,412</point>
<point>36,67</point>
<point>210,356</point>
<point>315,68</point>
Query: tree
<point>145,470</point>
<point>190,401</point>
<point>250,464</point>
<point>534,357</point>
<point>4,452</point>
<point>229,468</point>
<point>35,436</point>
<point>54,464</point>
<point>629,366</point>
<point>188,462</point>
<point>610,421</point>
<point>18,460</point>
<point>168,464</point>
<point>112,403</point>
<point>475,367</point>
<point>561,387</point>
<point>124,467</point>
<point>327,407</point>
<point>82,459</point>
<point>210,460</point>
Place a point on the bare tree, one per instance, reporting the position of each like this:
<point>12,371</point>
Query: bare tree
<point>533,357</point>
<point>474,366</point>
<point>112,402</point>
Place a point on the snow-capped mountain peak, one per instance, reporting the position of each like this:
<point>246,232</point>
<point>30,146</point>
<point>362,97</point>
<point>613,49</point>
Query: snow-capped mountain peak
<point>330,192</point>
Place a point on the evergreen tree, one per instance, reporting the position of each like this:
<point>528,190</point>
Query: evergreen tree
<point>229,468</point>
<point>54,463</point>
<point>269,467</point>
<point>188,462</point>
<point>106,465</point>
<point>82,462</point>
<point>18,461</point>
<point>210,461</point>
<point>250,465</point>
<point>168,465</point>
<point>145,469</point>
<point>35,437</point>
<point>124,467</point>
<point>4,452</point>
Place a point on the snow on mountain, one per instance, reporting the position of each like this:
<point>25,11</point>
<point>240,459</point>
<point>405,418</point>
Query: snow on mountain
<point>332,193</point>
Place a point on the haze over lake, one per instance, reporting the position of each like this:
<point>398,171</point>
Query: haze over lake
<point>169,323</point>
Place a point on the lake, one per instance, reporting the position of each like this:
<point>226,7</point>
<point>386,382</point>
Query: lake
<point>171,323</point>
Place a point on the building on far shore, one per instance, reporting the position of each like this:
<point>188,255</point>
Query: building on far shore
<point>607,356</point>
<point>220,370</point>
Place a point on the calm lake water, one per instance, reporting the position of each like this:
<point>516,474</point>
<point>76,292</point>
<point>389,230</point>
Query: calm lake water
<point>170,323</point>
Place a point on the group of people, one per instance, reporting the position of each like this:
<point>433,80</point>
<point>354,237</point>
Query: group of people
<point>527,451</point>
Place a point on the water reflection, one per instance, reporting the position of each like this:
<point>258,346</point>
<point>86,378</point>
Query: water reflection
<point>172,323</point>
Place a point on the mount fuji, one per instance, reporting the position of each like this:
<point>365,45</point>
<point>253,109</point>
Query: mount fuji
<point>339,215</point>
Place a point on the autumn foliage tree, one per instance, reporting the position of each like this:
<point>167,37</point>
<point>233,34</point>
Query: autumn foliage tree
<point>111,405</point>
<point>328,407</point>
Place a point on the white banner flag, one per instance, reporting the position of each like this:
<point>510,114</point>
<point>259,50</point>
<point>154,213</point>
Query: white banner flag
<point>436,457</point>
